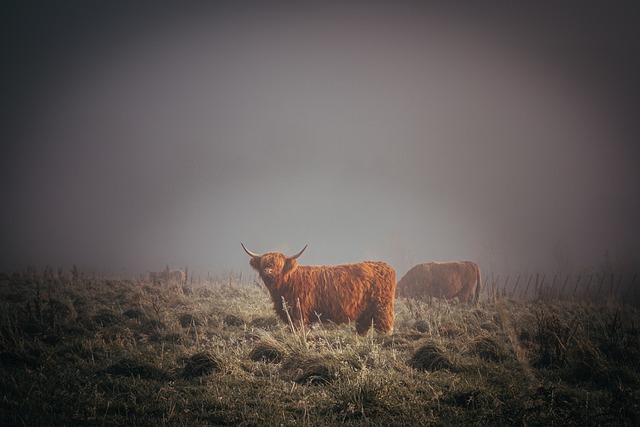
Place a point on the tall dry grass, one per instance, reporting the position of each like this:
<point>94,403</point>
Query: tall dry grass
<point>80,350</point>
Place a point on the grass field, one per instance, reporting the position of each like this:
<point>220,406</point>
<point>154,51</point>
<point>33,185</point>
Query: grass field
<point>99,351</point>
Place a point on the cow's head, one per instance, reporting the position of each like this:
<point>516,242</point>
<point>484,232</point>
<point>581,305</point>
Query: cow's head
<point>274,268</point>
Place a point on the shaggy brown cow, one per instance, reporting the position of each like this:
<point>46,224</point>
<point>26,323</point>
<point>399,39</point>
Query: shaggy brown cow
<point>168,276</point>
<point>442,280</point>
<point>362,292</point>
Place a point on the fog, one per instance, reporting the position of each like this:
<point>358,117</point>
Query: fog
<point>138,137</point>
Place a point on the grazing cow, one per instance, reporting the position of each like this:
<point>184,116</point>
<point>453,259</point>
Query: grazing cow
<point>168,276</point>
<point>362,292</point>
<point>442,280</point>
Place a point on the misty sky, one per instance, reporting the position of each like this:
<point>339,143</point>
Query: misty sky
<point>139,136</point>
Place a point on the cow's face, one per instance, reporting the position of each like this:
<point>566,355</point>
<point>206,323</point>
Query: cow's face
<point>273,268</point>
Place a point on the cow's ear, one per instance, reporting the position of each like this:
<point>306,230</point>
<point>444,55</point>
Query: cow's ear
<point>255,263</point>
<point>290,266</point>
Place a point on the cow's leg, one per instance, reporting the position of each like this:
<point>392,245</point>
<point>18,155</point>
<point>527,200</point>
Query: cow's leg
<point>466,293</point>
<point>383,318</point>
<point>363,323</point>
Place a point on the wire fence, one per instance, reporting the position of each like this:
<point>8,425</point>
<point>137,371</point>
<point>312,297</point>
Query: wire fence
<point>612,287</point>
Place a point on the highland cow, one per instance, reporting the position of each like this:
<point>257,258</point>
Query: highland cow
<point>168,276</point>
<point>362,292</point>
<point>442,280</point>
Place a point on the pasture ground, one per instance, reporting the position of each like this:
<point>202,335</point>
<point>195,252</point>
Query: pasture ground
<point>100,351</point>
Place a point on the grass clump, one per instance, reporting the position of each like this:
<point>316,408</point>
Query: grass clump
<point>491,348</point>
<point>134,368</point>
<point>305,368</point>
<point>431,356</point>
<point>267,350</point>
<point>200,364</point>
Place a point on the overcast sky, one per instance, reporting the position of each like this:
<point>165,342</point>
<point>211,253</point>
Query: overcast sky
<point>138,136</point>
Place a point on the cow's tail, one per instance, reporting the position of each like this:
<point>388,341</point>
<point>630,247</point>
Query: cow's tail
<point>478,285</point>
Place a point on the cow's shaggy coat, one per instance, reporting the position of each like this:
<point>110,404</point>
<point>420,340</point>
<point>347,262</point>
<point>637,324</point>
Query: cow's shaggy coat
<point>168,276</point>
<point>362,292</point>
<point>442,280</point>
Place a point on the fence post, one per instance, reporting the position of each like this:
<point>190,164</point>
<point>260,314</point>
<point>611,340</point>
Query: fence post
<point>611,292</point>
<point>493,287</point>
<point>513,293</point>
<point>564,286</point>
<point>576,288</point>
<point>588,285</point>
<point>600,287</point>
<point>504,288</point>
<point>527,288</point>
<point>618,285</point>
<point>630,289</point>
<point>544,276</point>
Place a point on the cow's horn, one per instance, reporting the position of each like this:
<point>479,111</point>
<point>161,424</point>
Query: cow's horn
<point>299,253</point>
<point>251,254</point>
